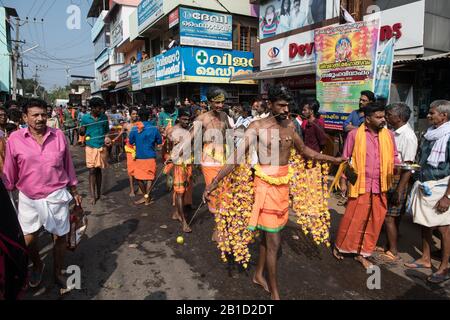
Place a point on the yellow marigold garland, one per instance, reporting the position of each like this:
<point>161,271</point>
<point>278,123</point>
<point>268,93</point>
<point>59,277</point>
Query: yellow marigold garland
<point>271,180</point>
<point>236,201</point>
<point>309,198</point>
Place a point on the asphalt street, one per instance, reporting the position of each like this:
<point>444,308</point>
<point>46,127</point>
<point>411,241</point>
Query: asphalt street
<point>130,252</point>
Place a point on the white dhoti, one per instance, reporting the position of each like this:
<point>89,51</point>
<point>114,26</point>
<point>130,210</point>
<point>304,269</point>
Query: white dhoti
<point>424,197</point>
<point>51,212</point>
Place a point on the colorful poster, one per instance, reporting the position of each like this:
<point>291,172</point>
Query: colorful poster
<point>280,16</point>
<point>345,65</point>
<point>214,65</point>
<point>384,72</point>
<point>206,29</point>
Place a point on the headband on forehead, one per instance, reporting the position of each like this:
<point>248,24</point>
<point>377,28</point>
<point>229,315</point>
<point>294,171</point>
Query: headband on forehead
<point>218,98</point>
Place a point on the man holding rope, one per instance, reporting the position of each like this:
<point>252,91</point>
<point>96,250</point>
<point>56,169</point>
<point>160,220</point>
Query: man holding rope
<point>95,127</point>
<point>145,137</point>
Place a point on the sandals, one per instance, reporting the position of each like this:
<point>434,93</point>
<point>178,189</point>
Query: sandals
<point>437,278</point>
<point>415,265</point>
<point>36,277</point>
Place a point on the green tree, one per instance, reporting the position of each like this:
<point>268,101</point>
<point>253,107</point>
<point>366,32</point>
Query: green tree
<point>58,93</point>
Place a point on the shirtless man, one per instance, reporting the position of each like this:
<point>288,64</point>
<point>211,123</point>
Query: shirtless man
<point>182,184</point>
<point>271,208</point>
<point>214,155</point>
<point>129,149</point>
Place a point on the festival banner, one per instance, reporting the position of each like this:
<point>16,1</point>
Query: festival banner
<point>345,65</point>
<point>384,72</point>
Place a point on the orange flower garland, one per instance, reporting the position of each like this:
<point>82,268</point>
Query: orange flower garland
<point>309,194</point>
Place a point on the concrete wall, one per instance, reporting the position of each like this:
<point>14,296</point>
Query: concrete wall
<point>437,26</point>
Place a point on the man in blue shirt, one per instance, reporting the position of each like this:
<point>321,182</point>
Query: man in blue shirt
<point>356,117</point>
<point>95,127</point>
<point>145,137</point>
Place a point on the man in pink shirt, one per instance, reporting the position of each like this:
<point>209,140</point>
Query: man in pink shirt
<point>373,152</point>
<point>38,163</point>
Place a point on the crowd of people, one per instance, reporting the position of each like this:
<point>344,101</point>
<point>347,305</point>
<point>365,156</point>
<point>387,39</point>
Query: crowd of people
<point>35,160</point>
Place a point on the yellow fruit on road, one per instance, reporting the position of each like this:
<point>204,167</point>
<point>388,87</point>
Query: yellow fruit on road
<point>180,240</point>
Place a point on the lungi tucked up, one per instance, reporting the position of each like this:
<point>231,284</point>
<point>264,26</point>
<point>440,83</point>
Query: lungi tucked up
<point>361,224</point>
<point>51,212</point>
<point>271,208</point>
<point>96,157</point>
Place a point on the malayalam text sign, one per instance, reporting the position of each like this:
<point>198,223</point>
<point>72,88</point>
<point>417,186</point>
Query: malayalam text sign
<point>345,65</point>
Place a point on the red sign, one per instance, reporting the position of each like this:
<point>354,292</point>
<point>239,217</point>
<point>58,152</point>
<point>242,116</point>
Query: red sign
<point>300,49</point>
<point>174,18</point>
<point>387,32</point>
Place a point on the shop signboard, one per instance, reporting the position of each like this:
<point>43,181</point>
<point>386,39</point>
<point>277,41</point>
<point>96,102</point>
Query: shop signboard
<point>345,65</point>
<point>148,73</point>
<point>206,28</point>
<point>117,34</point>
<point>174,18</point>
<point>136,76</point>
<point>214,65</point>
<point>124,73</point>
<point>168,66</point>
<point>149,11</point>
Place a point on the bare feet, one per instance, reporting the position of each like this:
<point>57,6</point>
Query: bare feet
<point>337,254</point>
<point>92,201</point>
<point>365,263</point>
<point>148,201</point>
<point>140,201</point>
<point>186,228</point>
<point>132,194</point>
<point>260,280</point>
<point>176,216</point>
<point>274,296</point>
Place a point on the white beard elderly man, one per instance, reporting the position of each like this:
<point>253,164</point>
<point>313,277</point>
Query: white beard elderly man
<point>430,200</point>
<point>38,163</point>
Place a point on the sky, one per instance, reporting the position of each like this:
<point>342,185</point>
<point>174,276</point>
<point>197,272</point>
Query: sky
<point>59,47</point>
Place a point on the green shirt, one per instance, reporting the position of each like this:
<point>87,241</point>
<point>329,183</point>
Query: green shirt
<point>164,118</point>
<point>69,121</point>
<point>96,129</point>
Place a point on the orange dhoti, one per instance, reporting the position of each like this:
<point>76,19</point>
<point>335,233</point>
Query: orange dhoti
<point>130,164</point>
<point>96,157</point>
<point>271,209</point>
<point>210,172</point>
<point>145,169</point>
<point>213,159</point>
<point>361,225</point>
<point>182,183</point>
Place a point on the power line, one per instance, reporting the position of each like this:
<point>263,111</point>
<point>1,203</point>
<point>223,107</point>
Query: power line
<point>51,6</point>
<point>43,3</point>
<point>31,9</point>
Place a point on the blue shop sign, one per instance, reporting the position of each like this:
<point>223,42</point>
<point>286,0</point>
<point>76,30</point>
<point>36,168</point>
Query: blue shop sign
<point>149,11</point>
<point>214,65</point>
<point>206,29</point>
<point>169,65</point>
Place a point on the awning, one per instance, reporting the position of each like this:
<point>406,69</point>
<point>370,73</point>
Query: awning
<point>123,85</point>
<point>436,57</point>
<point>277,73</point>
<point>108,84</point>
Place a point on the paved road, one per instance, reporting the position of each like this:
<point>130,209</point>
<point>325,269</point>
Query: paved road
<point>128,254</point>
